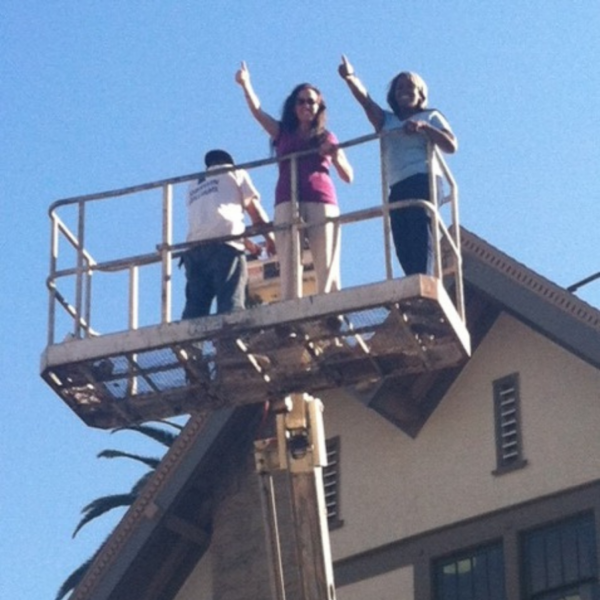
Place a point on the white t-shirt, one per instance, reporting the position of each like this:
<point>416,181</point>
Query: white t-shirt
<point>216,205</point>
<point>405,154</point>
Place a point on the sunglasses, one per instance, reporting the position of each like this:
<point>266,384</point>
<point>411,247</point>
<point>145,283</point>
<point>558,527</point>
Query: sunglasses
<point>307,101</point>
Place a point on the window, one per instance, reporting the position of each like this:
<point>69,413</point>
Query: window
<point>475,575</point>
<point>331,483</point>
<point>507,417</point>
<point>560,563</point>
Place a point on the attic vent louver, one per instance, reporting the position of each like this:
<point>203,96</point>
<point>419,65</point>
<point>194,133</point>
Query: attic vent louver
<point>507,416</point>
<point>331,482</point>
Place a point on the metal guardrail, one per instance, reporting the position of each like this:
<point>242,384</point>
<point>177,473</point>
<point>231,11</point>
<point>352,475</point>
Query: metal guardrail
<point>446,242</point>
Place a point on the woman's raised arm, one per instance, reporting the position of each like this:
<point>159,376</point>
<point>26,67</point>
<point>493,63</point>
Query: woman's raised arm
<point>268,123</point>
<point>373,111</point>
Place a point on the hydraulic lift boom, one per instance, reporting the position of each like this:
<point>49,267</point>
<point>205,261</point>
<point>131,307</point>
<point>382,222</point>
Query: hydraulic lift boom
<point>296,457</point>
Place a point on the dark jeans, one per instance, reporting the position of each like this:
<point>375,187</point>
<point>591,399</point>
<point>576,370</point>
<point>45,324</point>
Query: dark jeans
<point>214,271</point>
<point>411,227</point>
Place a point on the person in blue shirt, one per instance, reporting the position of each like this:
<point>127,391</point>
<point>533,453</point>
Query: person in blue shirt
<point>412,127</point>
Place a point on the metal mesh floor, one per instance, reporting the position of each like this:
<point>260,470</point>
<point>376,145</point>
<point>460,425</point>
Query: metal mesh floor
<point>354,337</point>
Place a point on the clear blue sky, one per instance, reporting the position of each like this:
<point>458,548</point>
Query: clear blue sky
<point>101,95</point>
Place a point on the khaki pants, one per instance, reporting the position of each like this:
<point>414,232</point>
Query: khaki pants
<point>324,241</point>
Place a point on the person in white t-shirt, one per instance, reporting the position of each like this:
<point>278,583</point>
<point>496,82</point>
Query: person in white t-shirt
<point>216,205</point>
<point>405,159</point>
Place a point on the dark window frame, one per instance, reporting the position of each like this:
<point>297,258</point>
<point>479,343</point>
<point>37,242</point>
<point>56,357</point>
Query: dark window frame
<point>544,554</point>
<point>485,552</point>
<point>507,424</point>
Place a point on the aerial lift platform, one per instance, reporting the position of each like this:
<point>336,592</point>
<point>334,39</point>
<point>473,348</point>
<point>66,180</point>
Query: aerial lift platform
<point>355,337</point>
<point>284,353</point>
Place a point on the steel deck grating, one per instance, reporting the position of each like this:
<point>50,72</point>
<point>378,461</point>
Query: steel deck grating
<point>309,346</point>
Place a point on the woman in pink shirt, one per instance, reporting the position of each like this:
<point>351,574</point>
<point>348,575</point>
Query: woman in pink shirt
<point>301,128</point>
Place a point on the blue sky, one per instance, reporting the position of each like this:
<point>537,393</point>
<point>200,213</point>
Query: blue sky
<point>102,95</point>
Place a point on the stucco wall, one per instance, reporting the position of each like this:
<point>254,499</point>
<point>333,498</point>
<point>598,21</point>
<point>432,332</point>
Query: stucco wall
<point>394,486</point>
<point>395,585</point>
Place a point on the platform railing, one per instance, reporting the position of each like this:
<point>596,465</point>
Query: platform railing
<point>77,303</point>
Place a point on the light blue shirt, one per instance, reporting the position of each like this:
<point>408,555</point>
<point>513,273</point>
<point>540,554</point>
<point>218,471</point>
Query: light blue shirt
<point>405,155</point>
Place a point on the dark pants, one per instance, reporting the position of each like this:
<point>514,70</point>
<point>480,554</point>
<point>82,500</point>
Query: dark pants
<point>214,271</point>
<point>411,227</point>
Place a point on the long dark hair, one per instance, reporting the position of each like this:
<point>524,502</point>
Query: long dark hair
<point>289,121</point>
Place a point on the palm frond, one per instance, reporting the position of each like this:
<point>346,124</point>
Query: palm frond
<point>149,461</point>
<point>161,421</point>
<point>105,504</point>
<point>166,438</point>
<point>75,578</point>
<point>138,486</point>
<point>102,505</point>
<point>172,424</point>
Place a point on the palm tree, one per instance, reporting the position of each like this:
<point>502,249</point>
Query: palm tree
<point>104,504</point>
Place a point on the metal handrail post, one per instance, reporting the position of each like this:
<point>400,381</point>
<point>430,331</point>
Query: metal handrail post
<point>79,279</point>
<point>51,280</point>
<point>132,383</point>
<point>167,239</point>
<point>460,292</point>
<point>389,272</point>
<point>437,254</point>
<point>133,297</point>
<point>294,229</point>
<point>87,315</point>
